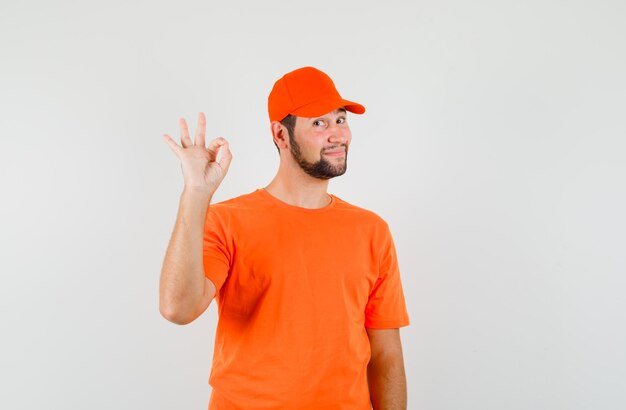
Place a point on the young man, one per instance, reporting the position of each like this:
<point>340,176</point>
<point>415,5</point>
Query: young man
<point>308,289</point>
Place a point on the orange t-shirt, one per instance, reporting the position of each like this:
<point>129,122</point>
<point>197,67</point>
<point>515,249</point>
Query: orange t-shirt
<point>296,288</point>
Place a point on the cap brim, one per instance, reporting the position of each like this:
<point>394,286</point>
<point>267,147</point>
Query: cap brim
<point>322,107</point>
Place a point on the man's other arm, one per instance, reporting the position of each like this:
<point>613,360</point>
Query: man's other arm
<point>385,371</point>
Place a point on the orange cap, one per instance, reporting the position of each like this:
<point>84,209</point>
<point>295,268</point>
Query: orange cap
<point>306,92</point>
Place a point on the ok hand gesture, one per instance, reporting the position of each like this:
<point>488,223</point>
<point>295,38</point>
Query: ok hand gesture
<point>199,163</point>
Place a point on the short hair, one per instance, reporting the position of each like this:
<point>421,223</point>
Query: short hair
<point>290,123</point>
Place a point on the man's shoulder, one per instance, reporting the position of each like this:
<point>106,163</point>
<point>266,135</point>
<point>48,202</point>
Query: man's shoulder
<point>359,211</point>
<point>243,201</point>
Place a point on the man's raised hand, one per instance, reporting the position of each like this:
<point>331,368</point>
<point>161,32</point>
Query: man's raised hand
<point>199,163</point>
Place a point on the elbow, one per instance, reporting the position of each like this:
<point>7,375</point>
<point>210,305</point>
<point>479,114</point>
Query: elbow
<point>174,315</point>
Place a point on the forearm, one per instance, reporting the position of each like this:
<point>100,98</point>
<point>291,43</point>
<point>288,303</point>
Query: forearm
<point>182,275</point>
<point>387,382</point>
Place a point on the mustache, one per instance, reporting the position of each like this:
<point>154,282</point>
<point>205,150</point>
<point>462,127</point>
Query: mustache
<point>344,146</point>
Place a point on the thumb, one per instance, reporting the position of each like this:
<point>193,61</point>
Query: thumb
<point>227,156</point>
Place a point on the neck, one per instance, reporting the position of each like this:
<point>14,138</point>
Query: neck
<point>297,188</point>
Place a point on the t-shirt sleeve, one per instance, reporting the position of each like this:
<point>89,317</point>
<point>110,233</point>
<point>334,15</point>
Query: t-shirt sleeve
<point>216,255</point>
<point>386,307</point>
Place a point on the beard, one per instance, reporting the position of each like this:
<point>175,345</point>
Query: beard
<point>322,169</point>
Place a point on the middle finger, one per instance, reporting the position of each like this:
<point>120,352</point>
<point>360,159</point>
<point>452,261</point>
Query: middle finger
<point>200,131</point>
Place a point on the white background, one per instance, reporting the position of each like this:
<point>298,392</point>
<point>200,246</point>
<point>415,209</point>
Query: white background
<point>493,144</point>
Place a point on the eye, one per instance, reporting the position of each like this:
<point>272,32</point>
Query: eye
<point>315,123</point>
<point>341,120</point>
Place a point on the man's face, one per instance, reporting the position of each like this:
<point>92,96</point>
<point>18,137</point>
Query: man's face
<point>320,144</point>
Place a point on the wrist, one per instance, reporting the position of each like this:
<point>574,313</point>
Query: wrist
<point>197,191</point>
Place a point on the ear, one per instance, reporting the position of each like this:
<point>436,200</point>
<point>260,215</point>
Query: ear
<point>279,134</point>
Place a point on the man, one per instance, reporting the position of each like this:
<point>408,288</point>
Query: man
<point>309,294</point>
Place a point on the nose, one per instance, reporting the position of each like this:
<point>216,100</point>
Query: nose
<point>338,133</point>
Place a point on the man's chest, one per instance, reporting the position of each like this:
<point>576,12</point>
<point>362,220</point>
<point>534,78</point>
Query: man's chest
<point>288,261</point>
